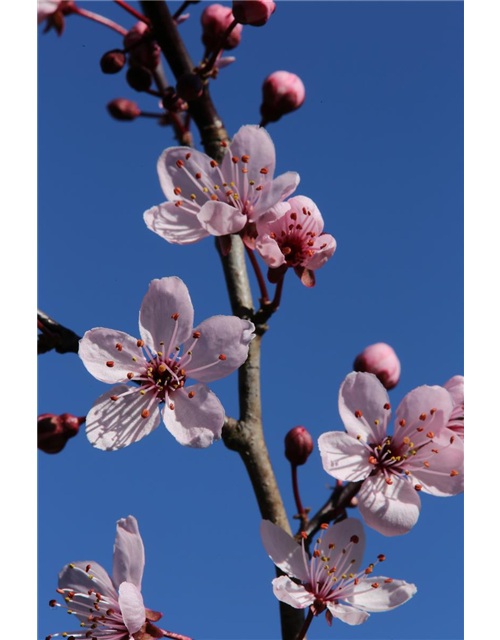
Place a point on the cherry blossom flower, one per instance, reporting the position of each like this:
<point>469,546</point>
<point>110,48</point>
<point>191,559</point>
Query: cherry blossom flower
<point>455,386</point>
<point>53,12</point>
<point>46,8</point>
<point>331,580</point>
<point>207,199</point>
<point>168,353</point>
<point>394,469</point>
<point>104,606</point>
<point>294,240</point>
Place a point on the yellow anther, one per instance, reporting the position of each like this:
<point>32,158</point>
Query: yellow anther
<point>324,558</point>
<point>193,197</point>
<point>162,343</point>
<point>335,579</point>
<point>67,599</point>
<point>252,182</point>
<point>236,196</point>
<point>160,353</point>
<point>358,437</point>
<point>377,422</point>
<point>134,358</point>
<point>351,575</point>
<point>71,566</point>
<point>91,576</point>
<point>344,576</point>
<point>413,453</point>
<point>216,186</point>
<point>69,611</point>
<point>231,184</point>
<point>142,392</point>
<point>205,189</point>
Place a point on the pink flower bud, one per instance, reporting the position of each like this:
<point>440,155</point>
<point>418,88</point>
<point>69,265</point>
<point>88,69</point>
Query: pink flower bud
<point>282,92</point>
<point>215,20</point>
<point>123,109</point>
<point>139,78</point>
<point>113,61</point>
<point>298,445</point>
<point>253,12</point>
<point>143,50</point>
<point>54,431</point>
<point>380,359</point>
<point>189,86</point>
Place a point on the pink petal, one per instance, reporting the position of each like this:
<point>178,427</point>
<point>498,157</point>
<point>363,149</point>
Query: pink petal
<point>194,422</point>
<point>363,393</point>
<point>128,554</point>
<point>392,510</point>
<point>165,298</point>
<point>455,386</point>
<point>445,474</point>
<point>340,534</point>
<point>283,550</point>
<point>174,224</point>
<point>177,169</point>
<point>322,256</point>
<point>114,425</point>
<point>221,219</point>
<point>387,596</point>
<point>76,578</point>
<point>131,606</point>
<point>347,614</point>
<point>269,251</point>
<point>101,357</point>
<point>224,62</point>
<point>344,457</point>
<point>292,593</point>
<point>273,193</point>
<point>228,336</point>
<point>255,142</point>
<point>315,223</point>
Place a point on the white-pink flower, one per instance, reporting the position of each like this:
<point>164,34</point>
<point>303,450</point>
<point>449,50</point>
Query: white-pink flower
<point>455,386</point>
<point>207,199</point>
<point>419,456</point>
<point>168,353</point>
<point>331,580</point>
<point>104,606</point>
<point>294,240</point>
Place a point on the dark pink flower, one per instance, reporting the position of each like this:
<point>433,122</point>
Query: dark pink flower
<point>282,92</point>
<point>253,12</point>
<point>380,359</point>
<point>215,21</point>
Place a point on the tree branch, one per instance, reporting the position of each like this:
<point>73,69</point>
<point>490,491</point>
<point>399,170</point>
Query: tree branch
<point>55,336</point>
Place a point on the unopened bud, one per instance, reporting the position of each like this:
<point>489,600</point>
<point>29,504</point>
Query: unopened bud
<point>123,109</point>
<point>54,431</point>
<point>139,78</point>
<point>113,61</point>
<point>215,21</point>
<point>253,12</point>
<point>143,50</point>
<point>282,92</point>
<point>298,445</point>
<point>381,360</point>
<point>190,86</point>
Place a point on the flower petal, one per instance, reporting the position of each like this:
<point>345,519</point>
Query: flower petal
<point>113,425</point>
<point>197,421</point>
<point>388,595</point>
<point>75,577</point>
<point>108,354</point>
<point>174,224</point>
<point>131,606</point>
<point>390,509</point>
<point>177,170</point>
<point>128,553</point>
<point>273,193</point>
<point>165,298</point>
<point>364,395</point>
<point>341,534</point>
<point>255,142</point>
<point>455,386</point>
<point>344,457</point>
<point>221,219</point>
<point>226,336</point>
<point>347,614</point>
<point>292,593</point>
<point>283,550</point>
<point>269,251</point>
<point>445,474</point>
<point>324,246</point>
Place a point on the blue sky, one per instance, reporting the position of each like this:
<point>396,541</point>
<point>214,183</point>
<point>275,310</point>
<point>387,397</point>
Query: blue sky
<point>379,147</point>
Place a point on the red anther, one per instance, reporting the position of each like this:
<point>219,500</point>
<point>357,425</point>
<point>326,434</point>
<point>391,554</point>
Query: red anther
<point>303,534</point>
<point>420,429</point>
<point>387,406</point>
<point>454,473</point>
<point>244,171</point>
<point>140,343</point>
<point>272,235</point>
<point>179,163</point>
<point>290,227</point>
<point>375,585</point>
<point>145,414</point>
<point>323,245</point>
<point>433,411</point>
<point>426,464</point>
<point>110,612</point>
<point>191,394</point>
<point>293,215</point>
<point>110,363</point>
<point>304,211</point>
<point>222,357</point>
<point>310,243</point>
<point>130,375</point>
<point>418,487</point>
<point>286,251</point>
<point>317,553</point>
<point>90,591</point>
<point>177,191</point>
<point>324,526</point>
<point>388,580</point>
<point>245,159</point>
<point>119,346</point>
<point>213,197</point>
<point>430,434</point>
<point>358,414</point>
<point>381,557</point>
<point>372,460</point>
<point>356,581</point>
<point>435,450</point>
<point>171,406</point>
<point>178,203</point>
<point>389,481</point>
<point>87,568</point>
<point>175,317</point>
<point>259,188</point>
<point>299,227</point>
<point>402,423</point>
<point>223,143</point>
<point>198,175</point>
<point>61,591</point>
<point>182,372</point>
<point>235,159</point>
<point>229,193</point>
<point>368,570</point>
<point>97,607</point>
<point>355,539</point>
<point>52,603</point>
<point>264,171</point>
<point>213,164</point>
<point>422,416</point>
<point>188,155</point>
<point>196,335</point>
<point>452,439</point>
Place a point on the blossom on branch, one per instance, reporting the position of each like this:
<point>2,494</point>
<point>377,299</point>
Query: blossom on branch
<point>394,469</point>
<point>282,93</point>
<point>53,12</point>
<point>294,240</point>
<point>332,580</point>
<point>167,355</point>
<point>207,199</point>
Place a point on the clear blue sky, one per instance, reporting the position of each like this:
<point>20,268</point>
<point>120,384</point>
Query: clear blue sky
<point>379,147</point>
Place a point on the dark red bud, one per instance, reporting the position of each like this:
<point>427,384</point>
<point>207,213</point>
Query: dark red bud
<point>123,109</point>
<point>298,445</point>
<point>190,87</point>
<point>253,12</point>
<point>113,61</point>
<point>54,431</point>
<point>139,78</point>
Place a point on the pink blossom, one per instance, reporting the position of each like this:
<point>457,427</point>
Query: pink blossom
<point>104,606</point>
<point>215,20</point>
<point>394,469</point>
<point>455,386</point>
<point>53,12</point>
<point>253,12</point>
<point>380,359</point>
<point>143,50</point>
<point>282,92</point>
<point>167,355</point>
<point>207,199</point>
<point>331,580</point>
<point>46,8</point>
<point>294,240</point>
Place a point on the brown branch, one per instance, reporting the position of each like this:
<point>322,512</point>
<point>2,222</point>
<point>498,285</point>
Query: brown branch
<point>55,336</point>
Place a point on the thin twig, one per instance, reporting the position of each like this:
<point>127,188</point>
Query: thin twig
<point>133,12</point>
<point>258,274</point>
